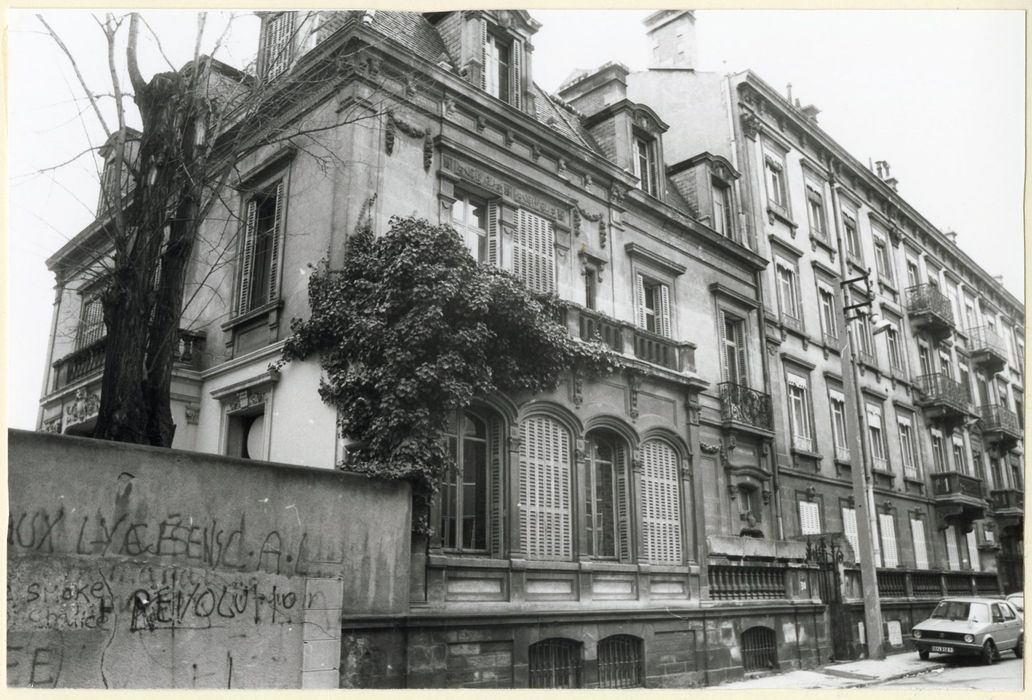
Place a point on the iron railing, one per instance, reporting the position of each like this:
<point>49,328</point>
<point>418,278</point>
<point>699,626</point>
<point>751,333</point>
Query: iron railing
<point>941,388</point>
<point>928,583</point>
<point>759,649</point>
<point>892,584</point>
<point>957,583</point>
<point>620,662</point>
<point>956,484</point>
<point>744,405</point>
<point>90,359</point>
<point>926,298</point>
<point>555,663</point>
<point>1006,499</point>
<point>996,417</point>
<point>747,582</point>
<point>985,339</point>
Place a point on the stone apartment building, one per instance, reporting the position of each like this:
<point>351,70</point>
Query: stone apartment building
<point>648,528</point>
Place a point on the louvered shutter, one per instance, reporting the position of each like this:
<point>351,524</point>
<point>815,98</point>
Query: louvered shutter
<point>660,504</point>
<point>890,555</point>
<point>809,518</point>
<point>247,257</point>
<point>849,529</point>
<point>276,245</point>
<point>639,300</point>
<point>725,359</point>
<point>664,311</point>
<point>743,373</point>
<point>952,554</point>
<point>496,486</point>
<point>920,546</point>
<point>494,250</point>
<point>545,489</point>
<point>623,505</point>
<point>972,544</point>
<point>534,252</point>
<point>516,75</point>
<point>483,54</point>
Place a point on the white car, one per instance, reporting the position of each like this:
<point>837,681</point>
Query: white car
<point>963,625</point>
<point>1017,601</point>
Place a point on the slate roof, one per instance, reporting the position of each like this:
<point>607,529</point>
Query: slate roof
<point>413,31</point>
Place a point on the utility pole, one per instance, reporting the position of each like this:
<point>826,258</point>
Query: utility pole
<point>863,491</point>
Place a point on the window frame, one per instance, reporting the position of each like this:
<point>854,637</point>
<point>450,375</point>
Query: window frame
<point>883,258</point>
<point>645,147</point>
<point>244,303</point>
<point>646,282</point>
<point>775,178</point>
<point>468,230</point>
<point>851,234</point>
<point>619,493</point>
<point>876,437</point>
<point>724,204</point>
<point>800,411</point>
<point>842,451</point>
<point>939,459</point>
<point>815,209</point>
<point>803,501</point>
<point>740,344</point>
<point>460,437</point>
<point>792,306</point>
<point>908,447</point>
<point>827,305</point>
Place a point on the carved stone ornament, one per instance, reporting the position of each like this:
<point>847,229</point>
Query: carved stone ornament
<point>709,448</point>
<point>588,182</point>
<point>636,464</point>
<point>561,168</point>
<point>480,123</point>
<point>750,125</point>
<point>52,425</point>
<point>632,386</point>
<point>578,388</point>
<point>428,151</point>
<point>692,409</point>
<point>535,151</point>
<point>449,106</point>
<point>732,491</point>
<point>510,137</point>
<point>580,453</point>
<point>246,398</point>
<point>811,492</point>
<point>603,235</point>
<point>83,406</point>
<point>766,495</point>
<point>193,413</point>
<point>617,193</point>
<point>514,439</point>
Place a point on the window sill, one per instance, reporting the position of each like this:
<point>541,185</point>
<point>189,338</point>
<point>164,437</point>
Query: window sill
<point>856,262</point>
<point>800,452</point>
<point>816,239</point>
<point>886,283</point>
<point>776,212</point>
<point>272,306</point>
<point>891,476</point>
<point>914,480</point>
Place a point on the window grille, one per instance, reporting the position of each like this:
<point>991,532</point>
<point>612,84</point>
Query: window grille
<point>91,322</point>
<point>555,663</point>
<point>620,662</point>
<point>545,489</point>
<point>759,649</point>
<point>660,503</point>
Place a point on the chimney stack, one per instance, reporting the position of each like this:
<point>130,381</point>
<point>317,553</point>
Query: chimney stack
<point>952,235</point>
<point>673,39</point>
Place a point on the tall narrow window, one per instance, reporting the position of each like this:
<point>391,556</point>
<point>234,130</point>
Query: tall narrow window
<point>534,252</point>
<point>920,544</point>
<point>852,236</point>
<point>774,168</point>
<point>809,518</point>
<point>883,260</point>
<point>815,207</point>
<point>959,455</point>
<point>653,302</point>
<point>660,504</point>
<point>895,350</point>
<point>277,43</point>
<point>938,452</point>
<point>838,424</point>
<point>91,321</point>
<point>913,273</point>
<point>863,331</point>
<point>645,163</point>
<point>945,364</point>
<point>907,447</point>
<point>924,355</point>
<point>876,431</point>
<point>606,512</point>
<point>259,265</point>
<point>545,489</point>
<point>723,221</point>
<point>826,301</point>
<point>464,499</point>
<point>972,546</point>
<point>849,530</point>
<point>952,551</point>
<point>732,338</point>
<point>788,292</point>
<point>497,53</point>
<point>799,409</point>
<point>887,527</point>
<point>469,218</point>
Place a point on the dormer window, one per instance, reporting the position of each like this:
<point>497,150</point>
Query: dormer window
<point>723,222</point>
<point>498,59</point>
<point>644,162</point>
<point>277,40</point>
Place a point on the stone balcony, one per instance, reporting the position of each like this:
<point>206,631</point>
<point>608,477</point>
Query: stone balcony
<point>959,499</point>
<point>988,349</point>
<point>1008,508</point>
<point>929,311</point>
<point>631,341</point>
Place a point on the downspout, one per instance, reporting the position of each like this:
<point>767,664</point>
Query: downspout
<point>758,281</point>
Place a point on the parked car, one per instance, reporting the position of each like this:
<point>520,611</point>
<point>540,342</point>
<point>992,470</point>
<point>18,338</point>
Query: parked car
<point>983,626</point>
<point>1017,600</point>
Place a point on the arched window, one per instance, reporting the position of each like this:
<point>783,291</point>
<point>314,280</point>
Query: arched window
<point>545,489</point>
<point>620,662</point>
<point>471,488</point>
<point>660,503</point>
<point>606,489</point>
<point>759,649</point>
<point>554,663</point>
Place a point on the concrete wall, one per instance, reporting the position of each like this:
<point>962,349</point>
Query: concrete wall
<point>139,567</point>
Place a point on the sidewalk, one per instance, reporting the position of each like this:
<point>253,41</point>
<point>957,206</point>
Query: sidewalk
<point>851,674</point>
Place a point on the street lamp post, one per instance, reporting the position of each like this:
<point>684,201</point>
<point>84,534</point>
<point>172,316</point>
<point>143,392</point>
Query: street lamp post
<point>863,492</point>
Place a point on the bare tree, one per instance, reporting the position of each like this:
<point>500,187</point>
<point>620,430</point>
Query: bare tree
<point>159,185</point>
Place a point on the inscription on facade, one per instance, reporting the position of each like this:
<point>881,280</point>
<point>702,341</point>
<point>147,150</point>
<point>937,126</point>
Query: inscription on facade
<point>482,178</point>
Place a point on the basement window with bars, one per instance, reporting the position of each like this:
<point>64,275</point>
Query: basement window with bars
<point>759,649</point>
<point>555,663</point>
<point>545,489</point>
<point>660,503</point>
<point>620,662</point>
<point>260,250</point>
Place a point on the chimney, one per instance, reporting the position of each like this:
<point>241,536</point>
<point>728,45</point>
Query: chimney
<point>591,91</point>
<point>672,33</point>
<point>998,278</point>
<point>952,235</point>
<point>885,174</point>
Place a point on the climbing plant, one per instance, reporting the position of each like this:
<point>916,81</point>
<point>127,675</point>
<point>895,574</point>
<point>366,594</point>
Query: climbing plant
<point>411,329</point>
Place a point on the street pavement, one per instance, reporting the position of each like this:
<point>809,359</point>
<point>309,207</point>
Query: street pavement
<point>903,670</point>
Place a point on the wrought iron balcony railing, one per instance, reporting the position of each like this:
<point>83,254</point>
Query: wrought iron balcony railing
<point>926,298</point>
<point>740,404</point>
<point>939,388</point>
<point>985,339</point>
<point>89,359</point>
<point>1008,499</point>
<point>996,418</point>
<point>946,484</point>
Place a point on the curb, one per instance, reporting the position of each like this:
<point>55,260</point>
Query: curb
<point>896,677</point>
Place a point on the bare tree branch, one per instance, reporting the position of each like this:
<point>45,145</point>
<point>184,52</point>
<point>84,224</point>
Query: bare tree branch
<point>78,74</point>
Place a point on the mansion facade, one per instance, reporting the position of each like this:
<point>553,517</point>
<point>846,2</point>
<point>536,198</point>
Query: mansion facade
<point>655,527</point>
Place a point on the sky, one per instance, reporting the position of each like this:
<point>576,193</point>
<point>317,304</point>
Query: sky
<point>938,94</point>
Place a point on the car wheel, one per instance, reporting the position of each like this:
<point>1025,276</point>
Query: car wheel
<point>989,653</point>
<point>923,654</point>
<point>1019,650</point>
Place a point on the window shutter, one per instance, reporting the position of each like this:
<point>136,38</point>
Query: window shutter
<point>809,518</point>
<point>920,546</point>
<point>494,252</point>
<point>545,489</point>
<point>743,374</point>
<point>849,529</point>
<point>722,322</point>
<point>496,486</point>
<point>247,257</point>
<point>516,75</point>
<point>664,311</point>
<point>660,504</point>
<point>972,544</point>
<point>534,252</point>
<point>952,554</point>
<point>890,556</point>
<point>276,245</point>
<point>623,505</point>
<point>639,299</point>
<point>483,54</point>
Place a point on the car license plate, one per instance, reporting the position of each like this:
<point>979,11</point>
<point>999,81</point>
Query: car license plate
<point>943,650</point>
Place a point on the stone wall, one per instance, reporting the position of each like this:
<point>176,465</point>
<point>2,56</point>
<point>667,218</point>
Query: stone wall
<point>140,567</point>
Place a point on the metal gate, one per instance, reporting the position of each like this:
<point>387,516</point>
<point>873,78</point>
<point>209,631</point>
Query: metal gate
<point>826,557</point>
